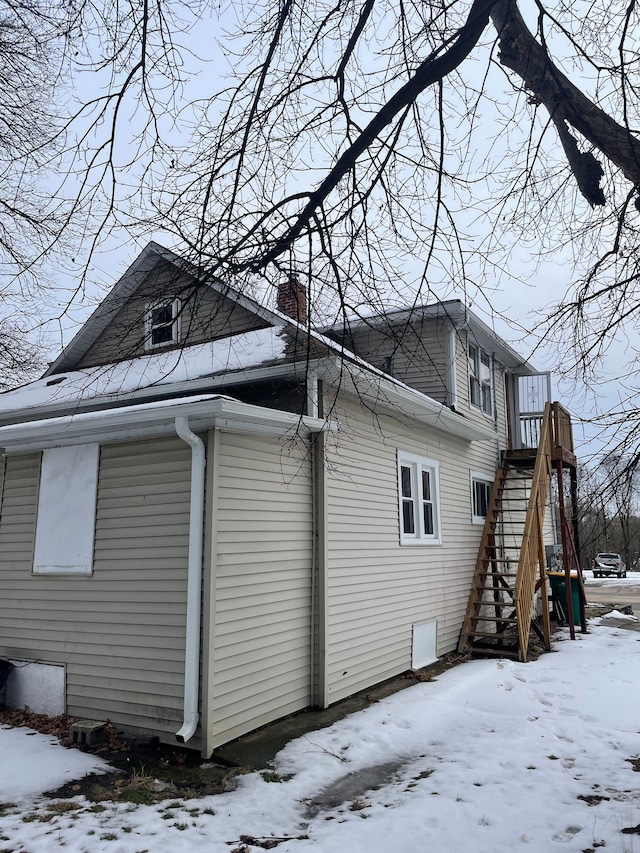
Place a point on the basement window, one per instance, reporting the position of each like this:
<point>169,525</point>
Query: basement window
<point>419,500</point>
<point>162,324</point>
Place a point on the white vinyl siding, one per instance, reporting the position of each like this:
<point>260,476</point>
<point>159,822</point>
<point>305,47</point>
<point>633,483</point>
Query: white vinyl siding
<point>417,354</point>
<point>378,589</point>
<point>261,653</point>
<point>120,632</point>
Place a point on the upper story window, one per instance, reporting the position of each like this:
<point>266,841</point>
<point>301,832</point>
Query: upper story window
<point>162,324</point>
<point>480,391</point>
<point>419,497</point>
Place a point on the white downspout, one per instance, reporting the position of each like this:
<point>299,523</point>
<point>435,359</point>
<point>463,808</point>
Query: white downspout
<point>194,581</point>
<point>453,378</point>
<point>312,393</point>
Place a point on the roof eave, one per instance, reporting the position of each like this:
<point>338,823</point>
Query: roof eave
<point>211,383</point>
<point>387,393</point>
<point>154,419</point>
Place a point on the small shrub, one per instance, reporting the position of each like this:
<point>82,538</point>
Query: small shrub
<point>62,807</point>
<point>271,776</point>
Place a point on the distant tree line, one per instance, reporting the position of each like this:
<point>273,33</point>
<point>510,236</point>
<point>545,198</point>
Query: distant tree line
<point>609,510</point>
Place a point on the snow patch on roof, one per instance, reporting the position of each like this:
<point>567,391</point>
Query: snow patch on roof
<point>246,350</point>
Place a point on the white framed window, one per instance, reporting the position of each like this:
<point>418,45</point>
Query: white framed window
<point>162,324</point>
<point>480,390</point>
<point>481,485</point>
<point>419,500</point>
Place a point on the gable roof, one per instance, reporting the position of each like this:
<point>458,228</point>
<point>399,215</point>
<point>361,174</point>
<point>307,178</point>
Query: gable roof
<point>457,313</point>
<point>149,259</point>
<point>210,367</point>
<point>162,374</point>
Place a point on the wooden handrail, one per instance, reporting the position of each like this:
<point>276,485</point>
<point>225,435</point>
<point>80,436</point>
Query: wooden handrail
<point>562,430</point>
<point>532,539</point>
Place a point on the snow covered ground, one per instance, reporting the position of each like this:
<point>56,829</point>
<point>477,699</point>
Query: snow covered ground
<point>632,580</point>
<point>492,757</point>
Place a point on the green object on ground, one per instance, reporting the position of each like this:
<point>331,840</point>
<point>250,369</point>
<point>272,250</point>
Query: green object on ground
<point>559,591</point>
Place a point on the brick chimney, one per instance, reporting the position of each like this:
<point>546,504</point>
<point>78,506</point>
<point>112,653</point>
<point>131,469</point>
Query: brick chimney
<point>292,299</point>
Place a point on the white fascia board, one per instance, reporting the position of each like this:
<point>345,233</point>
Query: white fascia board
<point>487,340</point>
<point>391,394</point>
<point>166,389</point>
<point>153,419</point>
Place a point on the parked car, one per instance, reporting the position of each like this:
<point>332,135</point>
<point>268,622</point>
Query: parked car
<point>609,564</point>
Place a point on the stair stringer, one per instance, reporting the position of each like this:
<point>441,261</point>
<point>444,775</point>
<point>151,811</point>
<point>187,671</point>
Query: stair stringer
<point>527,550</point>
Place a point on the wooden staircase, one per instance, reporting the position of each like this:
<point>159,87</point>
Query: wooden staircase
<point>510,568</point>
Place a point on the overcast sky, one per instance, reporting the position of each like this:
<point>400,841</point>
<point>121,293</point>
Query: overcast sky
<point>513,298</point>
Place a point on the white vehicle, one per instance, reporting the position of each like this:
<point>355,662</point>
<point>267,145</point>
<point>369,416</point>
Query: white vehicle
<point>609,564</point>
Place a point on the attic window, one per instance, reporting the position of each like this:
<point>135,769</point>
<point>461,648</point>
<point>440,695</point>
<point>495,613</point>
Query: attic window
<point>162,324</point>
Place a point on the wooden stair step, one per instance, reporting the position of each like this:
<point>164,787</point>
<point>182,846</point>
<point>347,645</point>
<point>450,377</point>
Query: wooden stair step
<point>508,560</point>
<point>517,548</point>
<point>510,619</point>
<point>495,651</point>
<point>501,588</point>
<point>496,575</point>
<point>491,635</point>
<point>488,574</point>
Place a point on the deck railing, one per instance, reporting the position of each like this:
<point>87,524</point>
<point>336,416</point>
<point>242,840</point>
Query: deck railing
<point>562,430</point>
<point>529,429</point>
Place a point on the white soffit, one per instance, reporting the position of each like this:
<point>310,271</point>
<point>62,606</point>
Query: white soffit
<point>393,395</point>
<point>157,418</point>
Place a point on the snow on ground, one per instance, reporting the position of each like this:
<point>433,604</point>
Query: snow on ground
<point>33,763</point>
<point>491,757</point>
<point>632,579</point>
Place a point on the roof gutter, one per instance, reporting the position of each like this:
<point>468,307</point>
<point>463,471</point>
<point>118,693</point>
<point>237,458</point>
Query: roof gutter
<point>194,581</point>
<point>210,384</point>
<point>389,393</point>
<point>158,418</point>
